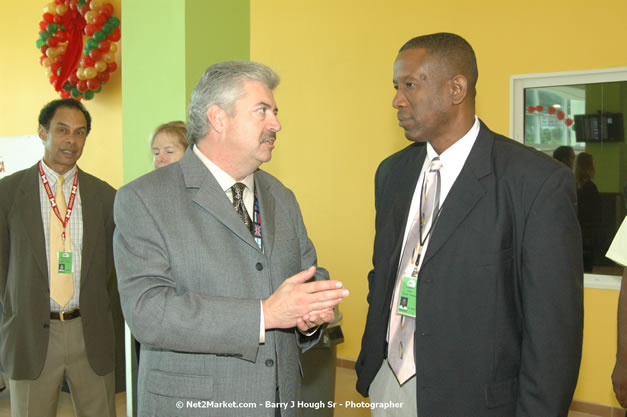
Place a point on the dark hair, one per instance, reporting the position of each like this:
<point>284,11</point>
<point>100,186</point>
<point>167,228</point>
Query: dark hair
<point>563,154</point>
<point>47,112</point>
<point>584,168</point>
<point>455,54</point>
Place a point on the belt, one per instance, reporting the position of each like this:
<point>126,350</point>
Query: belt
<point>65,315</point>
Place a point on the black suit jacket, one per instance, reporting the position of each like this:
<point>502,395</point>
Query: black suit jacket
<point>499,318</point>
<point>24,288</point>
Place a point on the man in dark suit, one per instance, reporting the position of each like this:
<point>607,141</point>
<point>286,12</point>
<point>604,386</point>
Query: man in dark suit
<point>56,274</point>
<point>497,269</point>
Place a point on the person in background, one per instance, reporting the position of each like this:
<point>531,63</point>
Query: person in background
<point>618,253</point>
<point>56,274</point>
<point>168,143</point>
<point>566,155</point>
<point>588,210</point>
<point>480,233</point>
<point>213,260</point>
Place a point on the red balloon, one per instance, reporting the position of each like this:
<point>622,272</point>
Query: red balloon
<point>41,59</point>
<point>106,10</point>
<point>61,36</point>
<point>55,67</point>
<point>112,67</point>
<point>531,109</point>
<point>58,59</point>
<point>53,79</point>
<point>104,46</point>
<point>65,94</point>
<point>100,20</point>
<point>82,86</point>
<point>53,41</point>
<point>43,26</point>
<point>103,77</point>
<point>568,122</point>
<point>87,61</point>
<point>48,17</point>
<point>560,115</point>
<point>116,35</point>
<point>59,1</point>
<point>90,29</point>
<point>95,54</point>
<point>43,49</point>
<point>84,8</point>
<point>550,110</point>
<point>540,108</point>
<point>93,84</point>
<point>57,19</point>
<point>73,79</point>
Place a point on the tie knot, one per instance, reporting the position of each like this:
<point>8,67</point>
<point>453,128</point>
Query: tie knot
<point>238,189</point>
<point>436,164</point>
<point>61,179</point>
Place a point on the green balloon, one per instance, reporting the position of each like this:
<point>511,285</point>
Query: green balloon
<point>75,93</point>
<point>52,28</point>
<point>86,50</point>
<point>114,21</point>
<point>99,36</point>
<point>107,28</point>
<point>88,95</point>
<point>68,87</point>
<point>92,43</point>
<point>99,88</point>
<point>39,43</point>
<point>43,35</point>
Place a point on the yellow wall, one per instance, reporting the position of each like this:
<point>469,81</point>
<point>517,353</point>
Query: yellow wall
<point>335,60</point>
<point>24,90</point>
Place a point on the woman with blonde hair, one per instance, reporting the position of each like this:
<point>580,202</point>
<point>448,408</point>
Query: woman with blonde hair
<point>168,143</point>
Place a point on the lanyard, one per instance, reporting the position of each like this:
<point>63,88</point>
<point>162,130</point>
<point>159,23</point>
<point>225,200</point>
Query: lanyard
<point>53,203</point>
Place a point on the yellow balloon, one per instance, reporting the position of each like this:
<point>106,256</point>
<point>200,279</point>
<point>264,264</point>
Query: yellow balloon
<point>95,4</point>
<point>80,73</point>
<point>90,72</point>
<point>61,9</point>
<point>109,57</point>
<point>61,49</point>
<point>51,52</point>
<point>100,66</point>
<point>46,62</point>
<point>114,48</point>
<point>50,8</point>
<point>90,16</point>
<point>48,72</point>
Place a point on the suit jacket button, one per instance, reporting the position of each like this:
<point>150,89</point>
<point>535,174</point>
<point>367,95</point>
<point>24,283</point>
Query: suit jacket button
<point>269,363</point>
<point>259,266</point>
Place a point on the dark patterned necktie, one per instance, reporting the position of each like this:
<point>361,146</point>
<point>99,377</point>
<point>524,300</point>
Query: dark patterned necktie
<point>238,202</point>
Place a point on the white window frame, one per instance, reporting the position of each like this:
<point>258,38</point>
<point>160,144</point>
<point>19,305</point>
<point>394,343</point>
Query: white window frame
<point>518,84</point>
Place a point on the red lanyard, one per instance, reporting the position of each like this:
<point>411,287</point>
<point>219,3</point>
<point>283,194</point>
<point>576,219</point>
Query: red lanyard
<point>53,203</point>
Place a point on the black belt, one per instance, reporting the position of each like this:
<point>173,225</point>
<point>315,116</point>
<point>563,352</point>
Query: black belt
<point>65,315</point>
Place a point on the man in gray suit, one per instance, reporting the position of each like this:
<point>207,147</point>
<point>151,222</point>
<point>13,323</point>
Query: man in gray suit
<point>214,261</point>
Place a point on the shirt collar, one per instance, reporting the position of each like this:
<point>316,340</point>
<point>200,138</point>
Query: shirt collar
<point>458,152</point>
<point>224,180</point>
<point>53,176</point>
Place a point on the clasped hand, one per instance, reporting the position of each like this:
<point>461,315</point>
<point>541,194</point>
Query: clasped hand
<point>302,304</point>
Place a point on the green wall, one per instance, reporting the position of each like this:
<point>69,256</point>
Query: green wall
<point>161,69</point>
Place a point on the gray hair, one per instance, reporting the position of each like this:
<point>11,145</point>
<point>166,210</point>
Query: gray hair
<point>221,84</point>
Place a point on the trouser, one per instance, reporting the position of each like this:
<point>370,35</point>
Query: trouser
<point>92,395</point>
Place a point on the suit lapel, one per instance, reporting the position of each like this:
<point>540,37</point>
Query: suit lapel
<point>402,194</point>
<point>31,217</point>
<point>211,197</point>
<point>267,211</point>
<point>465,193</point>
<point>92,211</point>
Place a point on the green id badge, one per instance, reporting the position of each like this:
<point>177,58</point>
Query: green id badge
<point>65,262</point>
<point>407,297</point>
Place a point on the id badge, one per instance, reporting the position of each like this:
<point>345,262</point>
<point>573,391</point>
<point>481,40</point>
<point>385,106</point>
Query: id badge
<point>65,262</point>
<point>407,297</point>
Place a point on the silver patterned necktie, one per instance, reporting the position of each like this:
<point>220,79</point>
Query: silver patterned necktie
<point>238,202</point>
<point>401,338</point>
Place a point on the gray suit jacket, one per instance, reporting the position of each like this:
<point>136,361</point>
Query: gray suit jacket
<point>191,278</point>
<point>25,324</point>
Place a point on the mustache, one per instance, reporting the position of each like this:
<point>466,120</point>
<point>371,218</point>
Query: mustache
<point>268,135</point>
